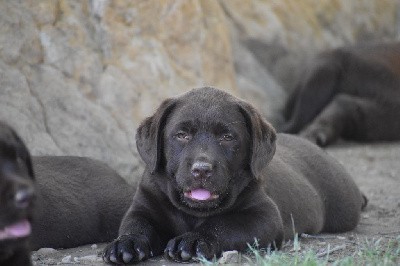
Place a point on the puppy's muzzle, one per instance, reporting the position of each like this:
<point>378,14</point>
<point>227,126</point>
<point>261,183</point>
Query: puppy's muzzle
<point>202,169</point>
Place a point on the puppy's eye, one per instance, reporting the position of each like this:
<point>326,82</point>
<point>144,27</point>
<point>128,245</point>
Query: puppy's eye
<point>227,137</point>
<point>183,136</point>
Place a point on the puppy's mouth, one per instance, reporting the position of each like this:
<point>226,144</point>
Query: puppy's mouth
<point>17,230</point>
<point>200,195</point>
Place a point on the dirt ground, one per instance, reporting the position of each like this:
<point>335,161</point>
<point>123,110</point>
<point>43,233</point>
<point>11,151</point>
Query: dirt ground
<point>375,168</point>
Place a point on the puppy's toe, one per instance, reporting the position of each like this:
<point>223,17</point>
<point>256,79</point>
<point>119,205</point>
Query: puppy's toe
<point>321,139</point>
<point>127,257</point>
<point>171,249</point>
<point>205,250</point>
<point>109,253</point>
<point>185,256</point>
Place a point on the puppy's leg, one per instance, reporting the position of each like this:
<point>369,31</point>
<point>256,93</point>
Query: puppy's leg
<point>345,116</point>
<point>230,231</point>
<point>137,241</point>
<point>290,104</point>
<point>313,92</point>
<point>20,258</point>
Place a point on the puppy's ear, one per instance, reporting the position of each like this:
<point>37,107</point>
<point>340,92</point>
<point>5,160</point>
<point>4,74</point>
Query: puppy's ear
<point>263,138</point>
<point>149,135</point>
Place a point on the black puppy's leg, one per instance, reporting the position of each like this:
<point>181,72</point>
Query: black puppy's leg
<point>313,92</point>
<point>21,257</point>
<point>137,241</point>
<point>344,116</point>
<point>229,232</point>
<point>290,104</point>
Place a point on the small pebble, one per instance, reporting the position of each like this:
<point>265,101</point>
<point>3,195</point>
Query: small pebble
<point>341,237</point>
<point>66,259</point>
<point>90,258</point>
<point>229,257</point>
<point>94,246</point>
<point>46,251</point>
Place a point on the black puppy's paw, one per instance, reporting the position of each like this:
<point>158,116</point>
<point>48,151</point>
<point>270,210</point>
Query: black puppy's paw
<point>191,246</point>
<point>127,249</point>
<point>321,136</point>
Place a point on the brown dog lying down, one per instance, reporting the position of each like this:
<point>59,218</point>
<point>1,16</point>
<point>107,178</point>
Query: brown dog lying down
<point>214,182</point>
<point>62,202</point>
<point>348,92</point>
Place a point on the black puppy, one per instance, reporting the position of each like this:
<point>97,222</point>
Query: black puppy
<point>16,195</point>
<point>77,200</point>
<point>348,92</point>
<point>213,182</point>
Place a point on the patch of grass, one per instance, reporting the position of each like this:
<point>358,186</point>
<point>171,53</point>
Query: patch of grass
<point>257,256</point>
<point>367,252</point>
<point>374,252</point>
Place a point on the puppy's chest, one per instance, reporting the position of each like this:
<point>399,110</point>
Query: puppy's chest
<point>183,222</point>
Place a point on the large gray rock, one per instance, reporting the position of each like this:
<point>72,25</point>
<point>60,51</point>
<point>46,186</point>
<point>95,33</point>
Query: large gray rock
<point>77,77</point>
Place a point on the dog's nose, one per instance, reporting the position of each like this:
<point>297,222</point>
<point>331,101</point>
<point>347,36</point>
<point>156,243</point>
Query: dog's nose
<point>23,198</point>
<point>201,169</point>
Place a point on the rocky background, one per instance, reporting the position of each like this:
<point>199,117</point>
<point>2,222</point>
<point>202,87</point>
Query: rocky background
<point>77,77</point>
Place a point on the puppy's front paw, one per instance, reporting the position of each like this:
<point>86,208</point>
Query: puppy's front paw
<point>127,249</point>
<point>191,246</point>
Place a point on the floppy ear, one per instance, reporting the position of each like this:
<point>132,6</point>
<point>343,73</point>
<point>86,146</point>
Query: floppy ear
<point>263,138</point>
<point>149,135</point>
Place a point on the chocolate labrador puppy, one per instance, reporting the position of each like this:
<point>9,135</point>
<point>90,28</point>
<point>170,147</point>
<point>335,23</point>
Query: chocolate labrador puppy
<point>16,195</point>
<point>352,93</point>
<point>55,201</point>
<point>78,201</point>
<point>217,177</point>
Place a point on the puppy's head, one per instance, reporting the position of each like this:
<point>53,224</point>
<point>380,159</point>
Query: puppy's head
<point>204,148</point>
<point>16,189</point>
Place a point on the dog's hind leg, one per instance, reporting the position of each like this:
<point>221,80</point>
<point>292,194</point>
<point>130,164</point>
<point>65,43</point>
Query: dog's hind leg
<point>313,92</point>
<point>347,116</point>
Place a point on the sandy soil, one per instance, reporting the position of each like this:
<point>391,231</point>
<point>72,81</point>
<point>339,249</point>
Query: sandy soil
<point>375,168</point>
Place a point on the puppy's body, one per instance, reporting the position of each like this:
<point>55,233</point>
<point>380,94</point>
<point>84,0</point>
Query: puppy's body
<point>310,185</point>
<point>348,92</point>
<point>213,182</point>
<point>79,201</point>
<point>60,202</point>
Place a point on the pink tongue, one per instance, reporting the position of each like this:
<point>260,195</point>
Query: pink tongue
<point>19,229</point>
<point>200,194</point>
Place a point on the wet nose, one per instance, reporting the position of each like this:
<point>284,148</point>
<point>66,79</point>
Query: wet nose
<point>23,198</point>
<point>201,169</point>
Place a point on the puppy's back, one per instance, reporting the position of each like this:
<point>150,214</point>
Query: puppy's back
<point>80,201</point>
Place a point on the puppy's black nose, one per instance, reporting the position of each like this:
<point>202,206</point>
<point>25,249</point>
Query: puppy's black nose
<point>23,198</point>
<point>201,169</point>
